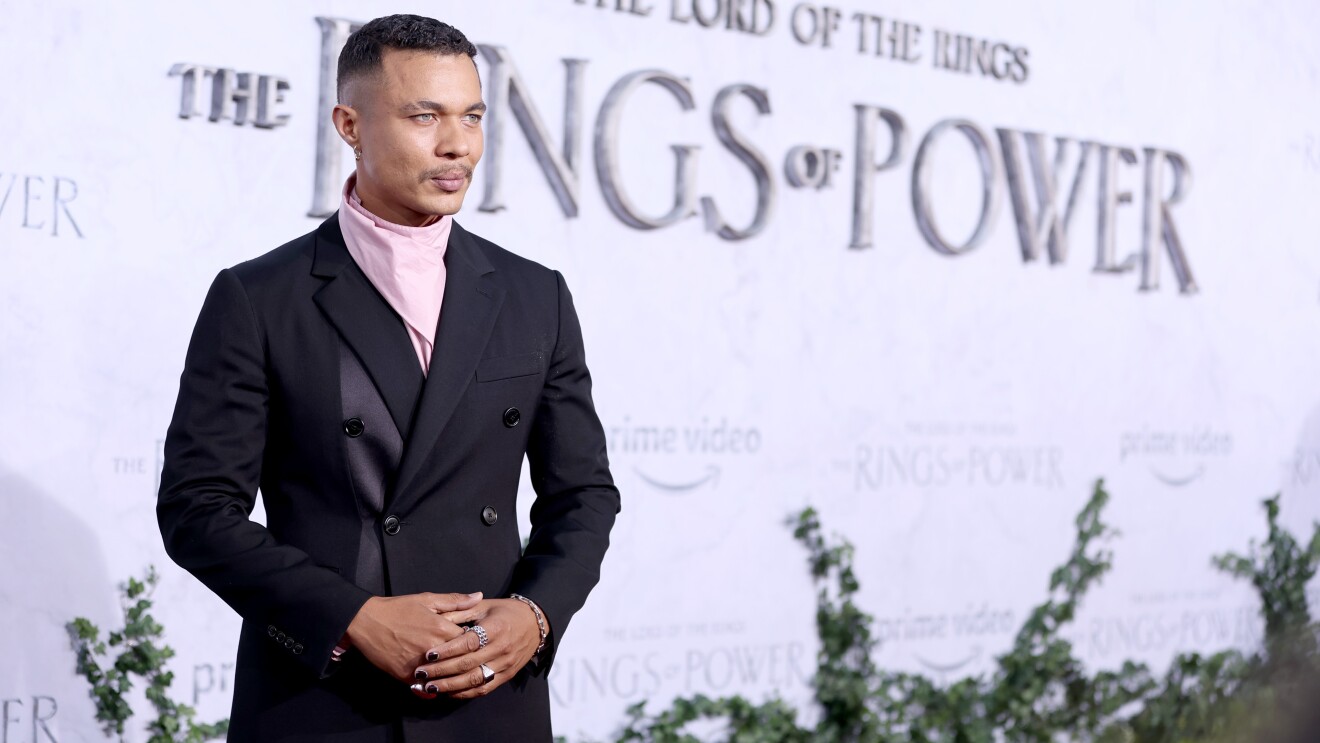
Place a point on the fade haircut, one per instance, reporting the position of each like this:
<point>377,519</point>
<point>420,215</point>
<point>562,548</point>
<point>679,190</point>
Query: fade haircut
<point>362,52</point>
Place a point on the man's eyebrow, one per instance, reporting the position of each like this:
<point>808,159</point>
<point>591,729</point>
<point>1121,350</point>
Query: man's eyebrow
<point>432,106</point>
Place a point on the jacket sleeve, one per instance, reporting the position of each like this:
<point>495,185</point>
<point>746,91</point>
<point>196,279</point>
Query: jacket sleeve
<point>213,458</point>
<point>576,500</point>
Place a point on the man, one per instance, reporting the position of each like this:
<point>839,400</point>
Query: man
<point>381,379</point>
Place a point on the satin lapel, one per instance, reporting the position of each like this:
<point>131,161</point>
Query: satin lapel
<point>371,328</point>
<point>467,315</point>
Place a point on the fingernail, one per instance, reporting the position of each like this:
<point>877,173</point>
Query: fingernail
<point>476,595</point>
<point>431,657</point>
<point>421,673</point>
<point>432,689</point>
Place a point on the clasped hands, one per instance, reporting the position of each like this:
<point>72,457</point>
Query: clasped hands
<point>418,640</point>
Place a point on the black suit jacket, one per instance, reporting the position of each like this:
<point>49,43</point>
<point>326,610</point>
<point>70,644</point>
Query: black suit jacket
<point>301,381</point>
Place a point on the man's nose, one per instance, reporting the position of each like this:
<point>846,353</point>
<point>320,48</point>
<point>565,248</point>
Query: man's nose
<point>453,141</point>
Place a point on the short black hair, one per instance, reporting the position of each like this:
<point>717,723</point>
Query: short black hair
<point>362,52</point>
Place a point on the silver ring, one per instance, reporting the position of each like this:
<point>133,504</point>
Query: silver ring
<point>487,675</point>
<point>482,639</point>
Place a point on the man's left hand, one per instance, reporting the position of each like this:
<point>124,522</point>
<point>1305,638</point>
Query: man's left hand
<point>455,667</point>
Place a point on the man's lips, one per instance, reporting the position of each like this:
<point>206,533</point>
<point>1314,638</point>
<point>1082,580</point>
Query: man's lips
<point>450,181</point>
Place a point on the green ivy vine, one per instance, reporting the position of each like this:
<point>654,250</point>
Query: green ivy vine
<point>141,655</point>
<point>1039,691</point>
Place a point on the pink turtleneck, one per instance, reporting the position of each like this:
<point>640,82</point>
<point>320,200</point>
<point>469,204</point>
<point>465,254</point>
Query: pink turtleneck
<point>405,264</point>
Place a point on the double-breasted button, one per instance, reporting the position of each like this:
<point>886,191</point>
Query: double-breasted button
<point>354,427</point>
<point>511,417</point>
<point>392,525</point>
<point>489,515</point>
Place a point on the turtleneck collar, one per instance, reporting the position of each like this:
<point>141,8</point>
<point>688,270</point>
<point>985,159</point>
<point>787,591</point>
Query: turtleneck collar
<point>405,264</point>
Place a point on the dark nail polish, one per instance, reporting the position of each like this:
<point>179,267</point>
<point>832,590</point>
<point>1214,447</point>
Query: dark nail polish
<point>432,689</point>
<point>421,674</point>
<point>431,656</point>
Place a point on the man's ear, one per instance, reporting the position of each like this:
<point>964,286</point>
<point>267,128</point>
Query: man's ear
<point>346,120</point>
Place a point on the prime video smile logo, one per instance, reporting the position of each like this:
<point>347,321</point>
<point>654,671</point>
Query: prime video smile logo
<point>682,458</point>
<point>1175,457</point>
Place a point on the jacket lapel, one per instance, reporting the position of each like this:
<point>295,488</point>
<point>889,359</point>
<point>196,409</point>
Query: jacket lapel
<point>467,316</point>
<point>371,328</point>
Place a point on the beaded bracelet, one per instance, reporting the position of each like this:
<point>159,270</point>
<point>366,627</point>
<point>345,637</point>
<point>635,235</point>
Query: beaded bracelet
<point>540,620</point>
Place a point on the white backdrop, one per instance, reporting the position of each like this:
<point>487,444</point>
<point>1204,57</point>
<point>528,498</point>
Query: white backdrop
<point>948,413</point>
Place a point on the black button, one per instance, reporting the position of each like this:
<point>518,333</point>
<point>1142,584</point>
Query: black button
<point>270,630</point>
<point>353,427</point>
<point>280,637</point>
<point>298,649</point>
<point>289,643</point>
<point>392,525</point>
<point>489,515</point>
<point>511,417</point>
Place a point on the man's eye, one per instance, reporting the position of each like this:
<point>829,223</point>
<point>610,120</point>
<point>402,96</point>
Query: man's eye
<point>424,118</point>
<point>473,118</point>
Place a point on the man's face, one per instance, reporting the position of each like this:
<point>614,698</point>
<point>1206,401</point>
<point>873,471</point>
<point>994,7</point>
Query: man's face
<point>418,124</point>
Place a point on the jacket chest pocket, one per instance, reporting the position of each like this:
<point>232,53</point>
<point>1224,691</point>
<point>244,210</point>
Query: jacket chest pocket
<point>510,367</point>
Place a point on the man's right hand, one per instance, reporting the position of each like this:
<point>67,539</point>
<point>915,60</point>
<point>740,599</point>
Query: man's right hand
<point>394,632</point>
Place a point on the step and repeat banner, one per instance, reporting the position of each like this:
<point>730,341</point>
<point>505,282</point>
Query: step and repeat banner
<point>931,268</point>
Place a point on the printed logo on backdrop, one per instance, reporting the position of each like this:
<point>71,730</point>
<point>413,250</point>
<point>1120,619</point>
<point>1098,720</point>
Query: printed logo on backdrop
<point>41,203</point>
<point>823,26</point>
<point>241,97</point>
<point>1182,620</point>
<point>954,455</point>
<point>947,644</point>
<point>660,661</point>
<point>1043,177</point>
<point>680,459</point>
<point>212,681</point>
<point>29,719</point>
<point>131,466</point>
<point>1175,457</point>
